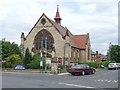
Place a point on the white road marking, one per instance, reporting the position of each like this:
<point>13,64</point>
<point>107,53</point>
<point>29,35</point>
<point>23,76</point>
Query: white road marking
<point>113,71</point>
<point>76,85</point>
<point>98,80</point>
<point>113,81</point>
<point>63,73</point>
<point>109,80</point>
<point>106,80</point>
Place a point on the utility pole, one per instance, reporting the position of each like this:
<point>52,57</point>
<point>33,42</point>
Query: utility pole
<point>110,52</point>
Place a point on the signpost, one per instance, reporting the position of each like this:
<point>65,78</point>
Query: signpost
<point>41,61</point>
<point>59,61</point>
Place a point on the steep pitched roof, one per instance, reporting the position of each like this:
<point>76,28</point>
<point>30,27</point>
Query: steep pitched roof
<point>79,41</point>
<point>62,30</point>
<point>59,27</point>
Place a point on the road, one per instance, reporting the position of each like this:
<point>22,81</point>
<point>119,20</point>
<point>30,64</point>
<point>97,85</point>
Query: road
<point>101,79</point>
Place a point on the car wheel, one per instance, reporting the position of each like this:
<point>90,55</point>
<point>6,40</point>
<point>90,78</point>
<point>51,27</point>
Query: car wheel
<point>93,72</point>
<point>83,73</point>
<point>72,73</point>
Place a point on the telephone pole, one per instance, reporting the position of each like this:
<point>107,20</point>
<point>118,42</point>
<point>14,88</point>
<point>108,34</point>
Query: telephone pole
<point>110,52</point>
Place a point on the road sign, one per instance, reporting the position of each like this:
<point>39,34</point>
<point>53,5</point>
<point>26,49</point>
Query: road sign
<point>41,59</point>
<point>41,63</point>
<point>59,60</point>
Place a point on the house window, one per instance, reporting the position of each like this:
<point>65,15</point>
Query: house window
<point>44,40</point>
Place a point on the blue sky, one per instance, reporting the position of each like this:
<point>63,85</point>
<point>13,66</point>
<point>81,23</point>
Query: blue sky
<point>97,17</point>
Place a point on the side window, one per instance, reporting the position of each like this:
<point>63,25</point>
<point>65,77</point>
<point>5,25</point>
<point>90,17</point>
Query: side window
<point>87,66</point>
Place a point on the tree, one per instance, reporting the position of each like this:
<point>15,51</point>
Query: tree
<point>10,52</point>
<point>13,60</point>
<point>114,53</point>
<point>35,63</point>
<point>8,49</point>
<point>27,58</point>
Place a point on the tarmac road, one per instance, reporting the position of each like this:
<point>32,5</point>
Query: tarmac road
<point>101,79</point>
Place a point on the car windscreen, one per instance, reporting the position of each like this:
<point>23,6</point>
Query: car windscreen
<point>78,66</point>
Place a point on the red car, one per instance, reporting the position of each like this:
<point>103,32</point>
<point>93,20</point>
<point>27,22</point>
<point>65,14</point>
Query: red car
<point>81,69</point>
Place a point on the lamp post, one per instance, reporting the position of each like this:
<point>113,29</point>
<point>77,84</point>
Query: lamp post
<point>45,53</point>
<point>3,62</point>
<point>64,55</point>
<point>41,59</point>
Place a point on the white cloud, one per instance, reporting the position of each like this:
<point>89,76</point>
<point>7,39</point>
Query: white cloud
<point>97,17</point>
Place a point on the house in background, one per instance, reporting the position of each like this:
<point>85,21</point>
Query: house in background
<point>97,57</point>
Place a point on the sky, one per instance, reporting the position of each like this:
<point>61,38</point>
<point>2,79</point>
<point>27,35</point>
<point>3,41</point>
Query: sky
<point>99,18</point>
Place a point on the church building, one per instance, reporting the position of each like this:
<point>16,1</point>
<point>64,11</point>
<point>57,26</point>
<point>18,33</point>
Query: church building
<point>56,41</point>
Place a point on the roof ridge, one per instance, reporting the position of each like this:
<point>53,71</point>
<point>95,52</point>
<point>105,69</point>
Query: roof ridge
<point>80,35</point>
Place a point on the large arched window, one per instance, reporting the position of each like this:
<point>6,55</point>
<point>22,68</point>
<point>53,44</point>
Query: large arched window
<point>44,40</point>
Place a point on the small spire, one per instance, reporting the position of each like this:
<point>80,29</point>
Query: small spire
<point>57,16</point>
<point>57,8</point>
<point>22,35</point>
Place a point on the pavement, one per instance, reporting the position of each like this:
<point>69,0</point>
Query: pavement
<point>34,71</point>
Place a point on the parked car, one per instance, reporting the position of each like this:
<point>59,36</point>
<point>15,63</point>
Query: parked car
<point>19,67</point>
<point>112,66</point>
<point>118,65</point>
<point>102,66</point>
<point>81,69</point>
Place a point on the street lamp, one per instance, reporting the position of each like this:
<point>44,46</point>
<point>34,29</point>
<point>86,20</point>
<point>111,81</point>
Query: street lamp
<point>45,53</point>
<point>41,59</point>
<point>3,62</point>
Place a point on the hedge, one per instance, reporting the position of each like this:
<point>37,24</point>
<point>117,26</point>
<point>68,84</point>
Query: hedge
<point>95,64</point>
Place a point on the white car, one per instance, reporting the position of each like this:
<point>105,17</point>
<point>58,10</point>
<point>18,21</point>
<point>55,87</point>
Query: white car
<point>118,65</point>
<point>113,66</point>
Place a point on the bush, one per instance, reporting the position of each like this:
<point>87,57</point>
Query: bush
<point>105,63</point>
<point>95,64</point>
<point>13,60</point>
<point>35,63</point>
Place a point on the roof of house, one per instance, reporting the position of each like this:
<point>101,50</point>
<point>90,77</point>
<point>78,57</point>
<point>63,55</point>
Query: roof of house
<point>79,41</point>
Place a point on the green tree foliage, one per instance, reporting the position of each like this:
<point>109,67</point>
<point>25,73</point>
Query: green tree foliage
<point>114,53</point>
<point>13,60</point>
<point>35,63</point>
<point>10,52</point>
<point>8,49</point>
<point>27,58</point>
